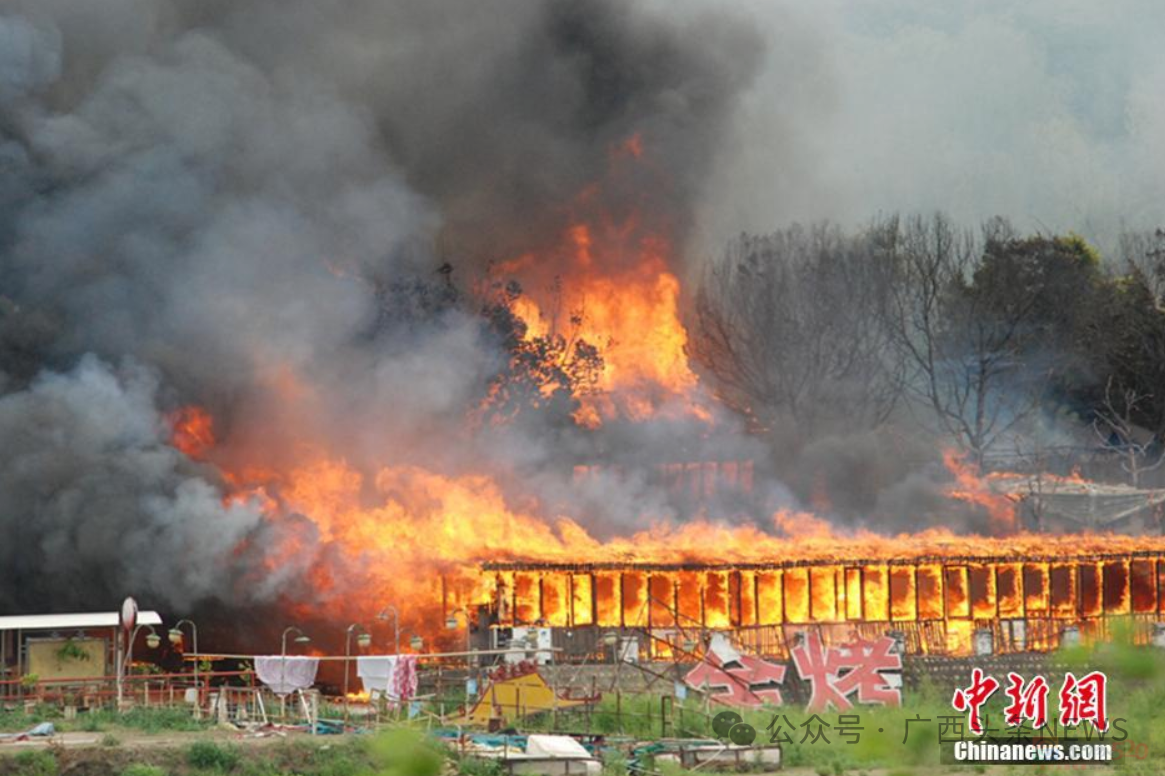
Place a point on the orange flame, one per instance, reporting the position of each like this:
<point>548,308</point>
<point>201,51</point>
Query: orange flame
<point>972,488</point>
<point>622,297</point>
<point>192,431</point>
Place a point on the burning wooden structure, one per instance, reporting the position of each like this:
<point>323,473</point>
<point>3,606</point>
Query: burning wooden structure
<point>940,605</point>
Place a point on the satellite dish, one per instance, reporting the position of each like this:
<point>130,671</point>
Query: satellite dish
<point>129,614</point>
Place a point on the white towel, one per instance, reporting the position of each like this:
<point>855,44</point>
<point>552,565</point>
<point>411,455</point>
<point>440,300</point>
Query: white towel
<point>393,675</point>
<point>376,672</point>
<point>285,675</point>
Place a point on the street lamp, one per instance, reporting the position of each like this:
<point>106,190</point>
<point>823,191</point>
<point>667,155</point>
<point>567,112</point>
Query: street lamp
<point>395,624</point>
<point>176,635</point>
<point>152,641</point>
<point>364,640</point>
<point>416,642</point>
<point>302,638</point>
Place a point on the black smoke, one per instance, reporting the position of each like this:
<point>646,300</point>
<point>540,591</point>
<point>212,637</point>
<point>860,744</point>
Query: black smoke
<point>205,202</point>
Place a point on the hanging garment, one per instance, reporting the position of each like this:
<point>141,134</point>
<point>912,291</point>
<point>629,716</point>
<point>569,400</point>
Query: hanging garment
<point>285,675</point>
<point>404,684</point>
<point>394,676</point>
<point>376,672</point>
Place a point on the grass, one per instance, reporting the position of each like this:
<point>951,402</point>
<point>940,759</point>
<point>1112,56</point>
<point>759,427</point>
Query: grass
<point>33,763</point>
<point>146,720</point>
<point>140,769</point>
<point>209,756</point>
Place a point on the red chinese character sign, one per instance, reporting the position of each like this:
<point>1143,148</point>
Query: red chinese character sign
<point>868,671</point>
<point>737,679</point>
<point>865,668</point>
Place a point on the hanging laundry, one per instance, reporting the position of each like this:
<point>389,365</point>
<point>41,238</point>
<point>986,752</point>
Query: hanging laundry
<point>394,676</point>
<point>376,672</point>
<point>404,685</point>
<point>285,675</point>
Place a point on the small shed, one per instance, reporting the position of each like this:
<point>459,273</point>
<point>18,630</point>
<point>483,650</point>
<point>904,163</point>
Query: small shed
<point>61,646</point>
<point>1051,503</point>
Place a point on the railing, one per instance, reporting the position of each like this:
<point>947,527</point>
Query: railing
<point>151,689</point>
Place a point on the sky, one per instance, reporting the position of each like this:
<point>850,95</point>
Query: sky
<point>1049,112</point>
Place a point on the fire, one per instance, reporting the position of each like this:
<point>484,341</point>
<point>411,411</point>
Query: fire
<point>974,489</point>
<point>616,288</point>
<point>634,320</point>
<point>408,530</point>
<point>192,431</point>
<point>416,537</point>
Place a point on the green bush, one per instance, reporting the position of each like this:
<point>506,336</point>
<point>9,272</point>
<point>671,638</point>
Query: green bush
<point>34,763</point>
<point>404,753</point>
<point>475,766</point>
<point>212,757</point>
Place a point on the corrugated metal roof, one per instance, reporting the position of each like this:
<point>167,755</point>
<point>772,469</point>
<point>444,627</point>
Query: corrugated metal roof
<point>72,621</point>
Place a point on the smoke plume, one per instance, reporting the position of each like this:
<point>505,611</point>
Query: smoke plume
<point>243,207</point>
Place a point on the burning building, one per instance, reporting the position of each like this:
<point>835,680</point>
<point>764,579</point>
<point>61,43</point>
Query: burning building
<point>938,604</point>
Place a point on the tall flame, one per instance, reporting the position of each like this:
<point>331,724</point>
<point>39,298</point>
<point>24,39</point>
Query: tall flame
<point>615,285</point>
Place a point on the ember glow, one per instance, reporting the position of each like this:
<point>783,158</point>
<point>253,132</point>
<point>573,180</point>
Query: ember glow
<point>192,431</point>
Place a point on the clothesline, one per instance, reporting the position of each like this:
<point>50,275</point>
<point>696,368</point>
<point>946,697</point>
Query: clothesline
<point>418,655</point>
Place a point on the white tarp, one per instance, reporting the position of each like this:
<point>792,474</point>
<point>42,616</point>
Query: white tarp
<point>556,746</point>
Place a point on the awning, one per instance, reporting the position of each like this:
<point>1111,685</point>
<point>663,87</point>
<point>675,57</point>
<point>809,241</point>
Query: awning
<point>72,621</point>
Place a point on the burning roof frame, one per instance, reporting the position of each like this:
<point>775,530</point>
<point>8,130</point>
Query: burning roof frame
<point>1041,624</point>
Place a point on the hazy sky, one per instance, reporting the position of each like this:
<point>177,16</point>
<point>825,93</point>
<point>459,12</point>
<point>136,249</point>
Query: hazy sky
<point>1050,112</point>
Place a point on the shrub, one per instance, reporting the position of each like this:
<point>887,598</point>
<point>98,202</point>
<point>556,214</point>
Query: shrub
<point>210,756</point>
<point>473,766</point>
<point>34,763</point>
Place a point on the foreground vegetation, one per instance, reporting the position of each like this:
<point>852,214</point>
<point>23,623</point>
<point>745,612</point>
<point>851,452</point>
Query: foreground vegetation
<point>399,753</point>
